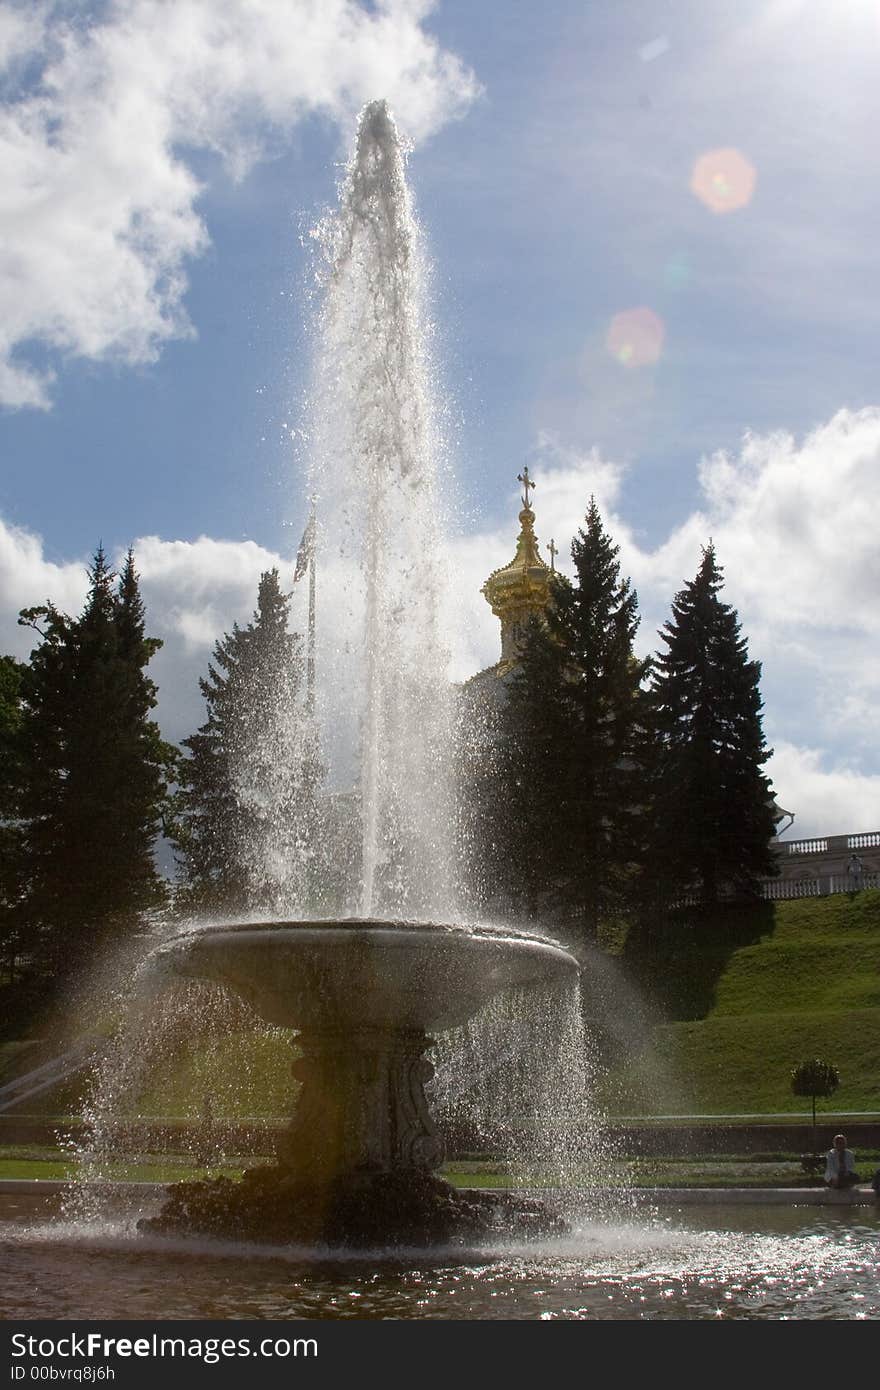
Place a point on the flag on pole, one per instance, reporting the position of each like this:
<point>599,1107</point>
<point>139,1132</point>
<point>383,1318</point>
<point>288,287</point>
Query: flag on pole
<point>306,549</point>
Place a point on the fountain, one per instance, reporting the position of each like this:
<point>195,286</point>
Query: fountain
<point>365,994</point>
<point>356,1165</point>
<point>369,988</point>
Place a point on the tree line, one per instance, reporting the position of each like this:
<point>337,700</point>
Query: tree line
<point>597,787</point>
<point>607,788</point>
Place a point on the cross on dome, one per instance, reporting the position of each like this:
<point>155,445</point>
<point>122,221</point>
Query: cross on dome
<point>527,483</point>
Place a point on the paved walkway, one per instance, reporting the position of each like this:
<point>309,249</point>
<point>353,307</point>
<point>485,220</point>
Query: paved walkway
<point>862,1196</point>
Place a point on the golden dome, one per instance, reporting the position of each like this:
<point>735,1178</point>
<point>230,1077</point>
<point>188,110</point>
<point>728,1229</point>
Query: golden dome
<point>520,590</point>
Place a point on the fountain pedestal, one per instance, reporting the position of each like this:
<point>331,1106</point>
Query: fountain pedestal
<point>363,1106</point>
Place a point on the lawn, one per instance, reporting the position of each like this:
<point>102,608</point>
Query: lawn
<point>809,986</point>
<point>699,1170</point>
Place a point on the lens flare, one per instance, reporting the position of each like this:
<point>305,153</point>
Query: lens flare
<point>635,337</point>
<point>723,179</point>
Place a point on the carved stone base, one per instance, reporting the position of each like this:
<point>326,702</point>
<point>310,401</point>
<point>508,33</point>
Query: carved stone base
<point>367,1211</point>
<point>362,1107</point>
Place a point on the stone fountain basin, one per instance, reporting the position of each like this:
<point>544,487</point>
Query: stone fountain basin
<point>366,974</point>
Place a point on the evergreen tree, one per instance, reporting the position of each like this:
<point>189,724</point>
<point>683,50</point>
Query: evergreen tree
<point>572,746</point>
<point>151,762</point>
<point>248,805</point>
<point>712,813</point>
<point>11,839</point>
<point>95,773</point>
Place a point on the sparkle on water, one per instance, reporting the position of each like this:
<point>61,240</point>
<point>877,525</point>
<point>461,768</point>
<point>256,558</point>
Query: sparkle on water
<point>744,1263</point>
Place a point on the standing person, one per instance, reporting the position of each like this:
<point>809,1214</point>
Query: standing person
<point>855,870</point>
<point>840,1164</point>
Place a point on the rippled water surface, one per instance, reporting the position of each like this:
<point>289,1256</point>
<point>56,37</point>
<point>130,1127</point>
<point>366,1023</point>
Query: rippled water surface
<point>738,1262</point>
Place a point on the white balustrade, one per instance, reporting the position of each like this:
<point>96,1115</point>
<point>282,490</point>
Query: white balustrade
<point>778,889</point>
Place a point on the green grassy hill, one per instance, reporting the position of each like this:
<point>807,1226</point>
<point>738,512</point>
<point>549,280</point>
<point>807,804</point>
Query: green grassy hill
<point>800,980</point>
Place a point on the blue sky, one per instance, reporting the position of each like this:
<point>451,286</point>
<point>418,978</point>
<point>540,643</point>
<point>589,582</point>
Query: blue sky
<point>162,166</point>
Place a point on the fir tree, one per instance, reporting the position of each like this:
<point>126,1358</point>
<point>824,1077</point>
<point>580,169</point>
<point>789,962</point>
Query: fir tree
<point>712,813</point>
<point>572,746</point>
<point>151,762</point>
<point>248,807</point>
<point>11,838</point>
<point>95,773</point>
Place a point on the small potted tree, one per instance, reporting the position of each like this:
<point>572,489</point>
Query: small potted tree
<point>814,1078</point>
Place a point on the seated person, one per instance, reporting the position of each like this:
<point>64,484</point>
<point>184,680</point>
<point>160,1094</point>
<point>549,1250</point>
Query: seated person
<point>840,1166</point>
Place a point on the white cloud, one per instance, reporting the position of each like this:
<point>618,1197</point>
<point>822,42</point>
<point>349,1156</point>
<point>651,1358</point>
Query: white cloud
<point>793,528</point>
<point>98,205</point>
<point>827,800</point>
<point>28,579</point>
<point>21,32</point>
<point>197,589</point>
<point>795,524</point>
